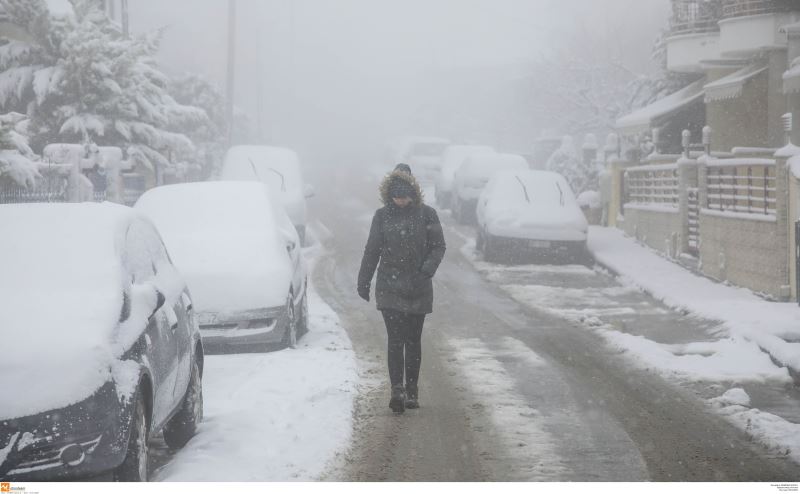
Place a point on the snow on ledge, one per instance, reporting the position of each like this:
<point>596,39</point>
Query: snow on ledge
<point>770,218</point>
<point>656,208</point>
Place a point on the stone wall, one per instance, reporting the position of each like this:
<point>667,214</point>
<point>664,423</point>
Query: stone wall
<point>659,229</point>
<point>746,252</point>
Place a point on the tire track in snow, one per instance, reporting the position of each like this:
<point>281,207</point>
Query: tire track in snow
<point>518,424</point>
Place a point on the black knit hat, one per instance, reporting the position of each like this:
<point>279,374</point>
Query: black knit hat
<point>403,168</point>
<point>400,188</point>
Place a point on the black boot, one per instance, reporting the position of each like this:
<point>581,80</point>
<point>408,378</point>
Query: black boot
<point>398,401</point>
<point>412,396</point>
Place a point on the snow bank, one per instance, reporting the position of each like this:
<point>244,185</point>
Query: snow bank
<point>771,325</point>
<point>224,239</point>
<point>278,416</point>
<point>61,291</point>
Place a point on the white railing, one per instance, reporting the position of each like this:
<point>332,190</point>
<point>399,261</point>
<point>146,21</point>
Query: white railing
<point>741,186</point>
<point>654,185</point>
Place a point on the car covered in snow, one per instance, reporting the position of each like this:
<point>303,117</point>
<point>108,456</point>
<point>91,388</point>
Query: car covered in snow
<point>277,167</point>
<point>102,349</point>
<point>423,154</point>
<point>241,257</point>
<point>471,178</point>
<point>530,213</point>
<point>452,160</point>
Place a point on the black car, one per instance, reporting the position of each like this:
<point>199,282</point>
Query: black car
<point>103,349</point>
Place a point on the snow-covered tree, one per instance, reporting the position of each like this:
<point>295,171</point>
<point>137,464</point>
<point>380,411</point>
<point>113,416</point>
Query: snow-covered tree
<point>81,81</point>
<point>581,174</point>
<point>17,159</point>
<point>210,138</point>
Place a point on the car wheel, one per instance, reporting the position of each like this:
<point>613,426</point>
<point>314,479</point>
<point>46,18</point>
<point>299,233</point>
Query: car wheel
<point>183,425</point>
<point>490,253</point>
<point>290,337</point>
<point>134,467</point>
<point>303,324</point>
<point>480,241</point>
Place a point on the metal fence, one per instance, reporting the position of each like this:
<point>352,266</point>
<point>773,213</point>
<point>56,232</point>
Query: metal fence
<point>695,16</point>
<point>48,188</point>
<point>652,185</point>
<point>741,186</point>
<point>741,8</point>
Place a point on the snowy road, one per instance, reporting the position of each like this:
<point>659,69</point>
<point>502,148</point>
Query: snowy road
<point>513,387</point>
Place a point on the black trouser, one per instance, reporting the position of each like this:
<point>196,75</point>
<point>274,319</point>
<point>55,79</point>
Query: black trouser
<point>405,345</point>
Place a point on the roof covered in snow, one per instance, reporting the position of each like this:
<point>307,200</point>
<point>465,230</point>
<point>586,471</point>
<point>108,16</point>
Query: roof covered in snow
<point>641,120</point>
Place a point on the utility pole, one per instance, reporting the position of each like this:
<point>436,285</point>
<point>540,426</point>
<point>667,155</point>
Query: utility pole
<point>125,21</point>
<point>231,66</point>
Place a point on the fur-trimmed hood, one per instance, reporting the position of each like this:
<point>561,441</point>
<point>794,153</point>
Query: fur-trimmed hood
<point>406,177</point>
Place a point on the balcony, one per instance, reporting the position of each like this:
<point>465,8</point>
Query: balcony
<point>751,26</point>
<point>743,8</point>
<point>694,16</point>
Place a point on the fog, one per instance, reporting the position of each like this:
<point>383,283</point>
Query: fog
<point>336,79</point>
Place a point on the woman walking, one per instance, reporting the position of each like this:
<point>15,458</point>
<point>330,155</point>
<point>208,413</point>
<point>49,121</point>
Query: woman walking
<point>406,245</point>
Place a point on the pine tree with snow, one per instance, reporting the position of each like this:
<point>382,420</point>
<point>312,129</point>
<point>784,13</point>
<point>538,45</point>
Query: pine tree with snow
<point>83,82</point>
<point>17,159</point>
<point>210,138</point>
<point>566,160</point>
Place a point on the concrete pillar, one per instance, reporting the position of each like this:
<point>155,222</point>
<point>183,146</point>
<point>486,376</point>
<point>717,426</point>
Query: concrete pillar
<point>687,179</point>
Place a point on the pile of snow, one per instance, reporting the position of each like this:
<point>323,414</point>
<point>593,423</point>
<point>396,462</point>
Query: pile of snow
<point>590,199</point>
<point>278,416</point>
<point>62,291</point>
<point>225,239</point>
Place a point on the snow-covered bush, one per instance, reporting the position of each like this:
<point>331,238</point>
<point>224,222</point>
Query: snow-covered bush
<point>580,174</point>
<point>81,81</point>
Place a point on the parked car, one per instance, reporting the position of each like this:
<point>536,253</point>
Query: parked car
<point>241,257</point>
<point>423,154</point>
<point>471,178</point>
<point>277,167</point>
<point>102,349</point>
<point>452,159</point>
<point>530,213</point>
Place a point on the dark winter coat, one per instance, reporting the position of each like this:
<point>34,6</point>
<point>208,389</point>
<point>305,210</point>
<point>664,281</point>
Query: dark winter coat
<point>409,245</point>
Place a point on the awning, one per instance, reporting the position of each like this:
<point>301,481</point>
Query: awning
<point>730,86</point>
<point>643,119</point>
<point>791,78</point>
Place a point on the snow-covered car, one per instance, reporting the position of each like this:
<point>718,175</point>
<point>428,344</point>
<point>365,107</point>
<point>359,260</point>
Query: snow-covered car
<point>529,212</point>
<point>452,160</point>
<point>102,349</point>
<point>241,257</point>
<point>472,177</point>
<point>277,167</point>
<point>423,154</point>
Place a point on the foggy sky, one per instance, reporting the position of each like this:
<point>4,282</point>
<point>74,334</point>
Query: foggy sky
<point>343,70</point>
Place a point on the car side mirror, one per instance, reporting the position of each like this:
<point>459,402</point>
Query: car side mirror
<point>309,191</point>
<point>160,299</point>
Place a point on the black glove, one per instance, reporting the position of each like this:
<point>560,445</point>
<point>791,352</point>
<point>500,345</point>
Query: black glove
<point>363,292</point>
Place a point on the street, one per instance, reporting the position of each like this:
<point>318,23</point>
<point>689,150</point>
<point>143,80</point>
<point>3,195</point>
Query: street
<point>514,392</point>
